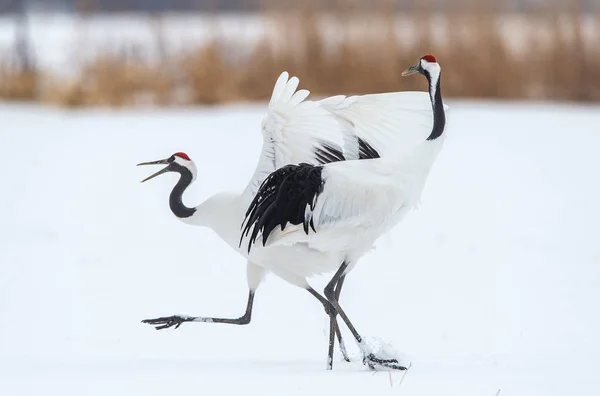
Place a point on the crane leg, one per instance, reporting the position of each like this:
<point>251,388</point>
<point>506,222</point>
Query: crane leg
<point>368,357</point>
<point>176,320</point>
<point>334,329</point>
<point>338,290</point>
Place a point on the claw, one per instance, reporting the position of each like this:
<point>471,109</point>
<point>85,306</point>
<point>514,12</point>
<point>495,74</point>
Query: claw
<point>168,321</point>
<point>373,362</point>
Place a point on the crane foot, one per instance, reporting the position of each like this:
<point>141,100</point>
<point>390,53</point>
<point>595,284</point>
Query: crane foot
<point>168,321</point>
<point>374,363</point>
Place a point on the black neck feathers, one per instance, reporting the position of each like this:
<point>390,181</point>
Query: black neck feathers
<point>439,116</point>
<point>175,199</point>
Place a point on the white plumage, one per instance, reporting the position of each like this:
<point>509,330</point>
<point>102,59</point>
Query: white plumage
<point>392,123</point>
<point>296,130</point>
<point>360,201</point>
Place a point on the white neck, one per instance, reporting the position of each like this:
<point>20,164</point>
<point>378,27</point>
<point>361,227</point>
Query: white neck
<point>434,76</point>
<point>223,213</point>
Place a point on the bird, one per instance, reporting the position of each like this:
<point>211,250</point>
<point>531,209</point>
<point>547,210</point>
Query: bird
<point>336,129</point>
<point>341,208</point>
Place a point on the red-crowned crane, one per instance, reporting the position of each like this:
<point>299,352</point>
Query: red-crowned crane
<point>354,131</point>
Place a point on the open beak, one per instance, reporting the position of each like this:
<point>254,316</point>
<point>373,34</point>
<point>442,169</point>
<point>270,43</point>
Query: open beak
<point>160,172</point>
<point>411,70</point>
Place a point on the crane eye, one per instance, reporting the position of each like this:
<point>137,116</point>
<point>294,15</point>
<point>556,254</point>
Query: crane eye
<point>171,158</point>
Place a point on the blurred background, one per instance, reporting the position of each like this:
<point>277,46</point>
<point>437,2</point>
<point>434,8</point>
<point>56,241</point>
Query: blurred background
<point>489,288</point>
<point>80,53</point>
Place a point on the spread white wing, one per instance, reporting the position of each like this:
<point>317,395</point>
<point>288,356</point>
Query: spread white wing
<point>390,122</point>
<point>296,130</point>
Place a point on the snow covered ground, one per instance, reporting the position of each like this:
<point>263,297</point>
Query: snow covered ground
<point>491,287</point>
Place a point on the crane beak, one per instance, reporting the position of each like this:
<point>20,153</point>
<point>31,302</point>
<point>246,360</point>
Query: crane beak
<point>160,172</point>
<point>411,70</point>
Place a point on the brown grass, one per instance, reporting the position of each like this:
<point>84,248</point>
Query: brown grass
<point>560,64</point>
<point>109,81</point>
<point>18,83</point>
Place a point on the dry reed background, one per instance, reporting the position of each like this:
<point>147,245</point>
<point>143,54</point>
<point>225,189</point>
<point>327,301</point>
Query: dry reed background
<point>560,64</point>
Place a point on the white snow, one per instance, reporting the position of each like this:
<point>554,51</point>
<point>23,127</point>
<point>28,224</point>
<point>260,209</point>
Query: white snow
<point>493,285</point>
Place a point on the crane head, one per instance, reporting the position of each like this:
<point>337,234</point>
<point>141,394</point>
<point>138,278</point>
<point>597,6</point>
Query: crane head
<point>178,162</point>
<point>426,64</point>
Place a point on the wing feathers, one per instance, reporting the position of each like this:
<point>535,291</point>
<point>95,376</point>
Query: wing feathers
<point>290,88</point>
<point>296,130</point>
<point>278,89</point>
<point>338,128</point>
<point>298,97</point>
<point>390,122</point>
<point>283,199</point>
<point>337,199</point>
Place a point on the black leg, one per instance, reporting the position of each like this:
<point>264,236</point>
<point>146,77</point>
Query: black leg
<point>369,358</point>
<point>334,329</point>
<point>333,326</point>
<point>338,290</point>
<point>338,287</point>
<point>176,320</point>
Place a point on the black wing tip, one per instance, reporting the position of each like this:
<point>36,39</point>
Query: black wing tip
<point>366,151</point>
<point>326,153</point>
<point>281,199</point>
